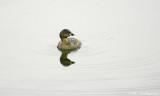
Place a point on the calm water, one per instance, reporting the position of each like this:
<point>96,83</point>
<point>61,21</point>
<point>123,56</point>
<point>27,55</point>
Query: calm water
<point>120,54</point>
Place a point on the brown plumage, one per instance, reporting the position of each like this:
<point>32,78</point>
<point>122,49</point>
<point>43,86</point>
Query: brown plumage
<point>68,43</point>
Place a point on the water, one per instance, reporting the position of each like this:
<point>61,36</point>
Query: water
<point>119,57</point>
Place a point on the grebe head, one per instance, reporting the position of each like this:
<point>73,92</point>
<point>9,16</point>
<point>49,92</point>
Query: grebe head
<point>65,33</point>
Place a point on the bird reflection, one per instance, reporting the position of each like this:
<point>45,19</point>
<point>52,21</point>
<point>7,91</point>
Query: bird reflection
<point>65,61</point>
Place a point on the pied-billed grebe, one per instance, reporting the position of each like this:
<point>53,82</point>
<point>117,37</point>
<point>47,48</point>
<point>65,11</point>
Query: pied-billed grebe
<point>68,43</point>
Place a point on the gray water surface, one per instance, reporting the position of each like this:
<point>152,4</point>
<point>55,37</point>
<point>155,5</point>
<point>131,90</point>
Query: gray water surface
<point>119,56</point>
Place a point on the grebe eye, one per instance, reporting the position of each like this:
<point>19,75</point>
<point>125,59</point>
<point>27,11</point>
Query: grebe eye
<point>71,34</point>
